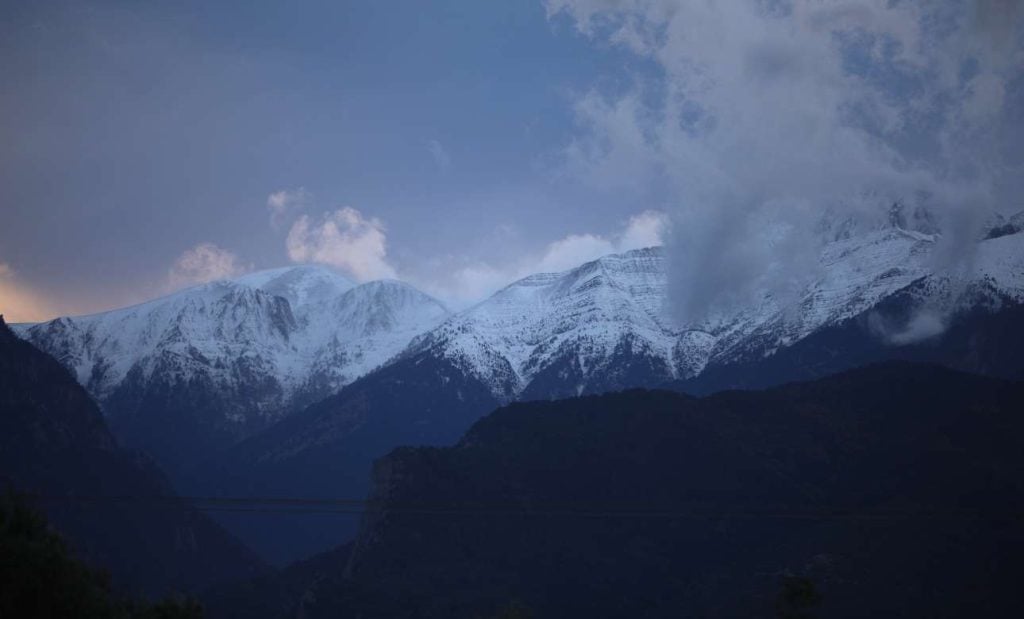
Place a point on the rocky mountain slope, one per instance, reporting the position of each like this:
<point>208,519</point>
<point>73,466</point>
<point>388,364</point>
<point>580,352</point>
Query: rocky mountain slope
<point>219,362</point>
<point>116,508</point>
<point>605,325</point>
<point>188,374</point>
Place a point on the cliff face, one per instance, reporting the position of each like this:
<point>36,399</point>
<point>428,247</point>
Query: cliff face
<point>893,488</point>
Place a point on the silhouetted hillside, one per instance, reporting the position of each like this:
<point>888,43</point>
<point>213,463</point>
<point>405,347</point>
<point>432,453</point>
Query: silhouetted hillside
<point>895,489</point>
<point>54,444</point>
<point>326,450</point>
<point>40,579</point>
<point>281,592</point>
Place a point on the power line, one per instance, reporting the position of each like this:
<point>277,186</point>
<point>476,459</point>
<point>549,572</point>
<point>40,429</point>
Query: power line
<point>576,509</point>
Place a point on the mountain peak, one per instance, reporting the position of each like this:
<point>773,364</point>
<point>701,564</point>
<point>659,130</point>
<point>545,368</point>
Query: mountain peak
<point>258,346</point>
<point>302,285</point>
<point>613,261</point>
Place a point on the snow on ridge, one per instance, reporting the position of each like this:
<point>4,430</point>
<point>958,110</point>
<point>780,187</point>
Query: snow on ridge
<point>302,285</point>
<point>312,331</point>
<point>306,329</point>
<point>503,340</point>
<point>590,310</point>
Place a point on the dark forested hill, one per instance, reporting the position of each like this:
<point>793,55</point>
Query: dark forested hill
<point>895,489</point>
<point>54,444</point>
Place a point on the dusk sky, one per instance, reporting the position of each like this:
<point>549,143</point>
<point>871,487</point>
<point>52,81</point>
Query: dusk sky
<point>460,145</point>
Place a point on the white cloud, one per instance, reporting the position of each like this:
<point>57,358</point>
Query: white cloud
<point>468,283</point>
<point>762,115</point>
<point>648,229</point>
<point>343,239</point>
<point>19,302</point>
<point>471,281</point>
<point>203,263</point>
<point>644,230</point>
<point>285,202</point>
<point>573,251</point>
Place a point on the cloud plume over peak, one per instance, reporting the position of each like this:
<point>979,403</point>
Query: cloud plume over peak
<point>344,239</point>
<point>644,230</point>
<point>467,283</point>
<point>203,263</point>
<point>760,117</point>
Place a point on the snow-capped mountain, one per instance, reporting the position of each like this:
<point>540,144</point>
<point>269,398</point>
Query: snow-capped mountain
<point>227,358</point>
<point>605,325</point>
<point>594,321</point>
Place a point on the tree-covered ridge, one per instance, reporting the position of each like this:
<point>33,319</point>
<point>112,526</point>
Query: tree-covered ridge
<point>891,490</point>
<point>39,577</point>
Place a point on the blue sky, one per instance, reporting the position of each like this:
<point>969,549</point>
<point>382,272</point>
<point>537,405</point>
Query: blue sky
<point>459,145</point>
<point>135,132</point>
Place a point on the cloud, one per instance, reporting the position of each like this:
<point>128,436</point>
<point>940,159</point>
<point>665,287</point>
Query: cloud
<point>473,281</point>
<point>201,264</point>
<point>440,156</point>
<point>466,284</point>
<point>572,251</point>
<point>285,202</point>
<point>644,230</point>
<point>920,326</point>
<point>761,119</point>
<point>19,302</point>
<point>343,239</point>
<point>648,229</point>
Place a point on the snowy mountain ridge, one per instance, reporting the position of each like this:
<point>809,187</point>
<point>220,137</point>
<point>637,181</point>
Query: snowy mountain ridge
<point>293,335</point>
<point>613,312</point>
<point>238,355</point>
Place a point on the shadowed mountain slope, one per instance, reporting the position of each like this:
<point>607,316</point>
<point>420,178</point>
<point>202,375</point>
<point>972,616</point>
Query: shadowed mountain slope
<point>55,445</point>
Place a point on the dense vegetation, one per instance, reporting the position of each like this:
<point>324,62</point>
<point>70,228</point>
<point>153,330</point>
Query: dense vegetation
<point>890,490</point>
<point>39,577</point>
